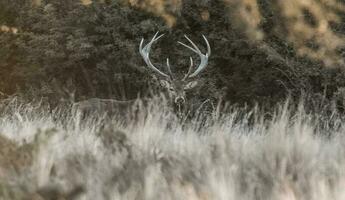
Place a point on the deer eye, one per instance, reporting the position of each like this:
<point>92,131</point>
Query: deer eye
<point>190,85</point>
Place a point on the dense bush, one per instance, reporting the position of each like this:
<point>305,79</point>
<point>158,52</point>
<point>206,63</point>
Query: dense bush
<point>62,47</point>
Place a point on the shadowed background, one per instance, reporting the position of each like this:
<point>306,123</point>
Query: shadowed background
<point>262,51</point>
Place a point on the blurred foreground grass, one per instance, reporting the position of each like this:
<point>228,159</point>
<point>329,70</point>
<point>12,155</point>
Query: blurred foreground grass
<point>238,155</point>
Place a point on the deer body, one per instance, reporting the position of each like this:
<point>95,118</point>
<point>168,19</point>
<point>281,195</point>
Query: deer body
<point>109,106</point>
<point>176,87</point>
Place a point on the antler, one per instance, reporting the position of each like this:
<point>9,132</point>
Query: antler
<point>190,69</point>
<point>203,57</point>
<point>145,52</point>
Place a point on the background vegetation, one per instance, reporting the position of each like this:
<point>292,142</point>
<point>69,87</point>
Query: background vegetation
<point>263,51</point>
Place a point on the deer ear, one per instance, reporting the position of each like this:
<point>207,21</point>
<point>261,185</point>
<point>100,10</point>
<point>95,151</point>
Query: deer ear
<point>164,83</point>
<point>191,85</point>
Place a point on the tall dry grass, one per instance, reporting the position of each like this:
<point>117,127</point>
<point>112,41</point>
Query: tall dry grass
<point>238,155</point>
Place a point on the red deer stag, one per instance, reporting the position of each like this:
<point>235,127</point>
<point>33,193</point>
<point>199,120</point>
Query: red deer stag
<point>176,87</point>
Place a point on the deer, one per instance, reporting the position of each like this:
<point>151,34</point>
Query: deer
<point>176,86</point>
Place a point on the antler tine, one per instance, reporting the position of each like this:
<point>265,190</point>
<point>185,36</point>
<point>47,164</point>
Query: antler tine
<point>203,57</point>
<point>155,38</point>
<point>145,52</point>
<point>196,50</point>
<point>208,46</point>
<point>190,69</point>
<point>169,69</point>
<point>194,45</point>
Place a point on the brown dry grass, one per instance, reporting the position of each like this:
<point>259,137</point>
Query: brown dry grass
<point>7,29</point>
<point>246,17</point>
<point>315,39</point>
<point>319,33</point>
<point>307,24</point>
<point>162,8</point>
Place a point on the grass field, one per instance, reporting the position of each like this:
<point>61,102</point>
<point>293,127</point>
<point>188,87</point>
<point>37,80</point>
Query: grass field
<point>239,155</point>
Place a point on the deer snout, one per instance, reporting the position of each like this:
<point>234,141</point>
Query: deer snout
<point>179,100</point>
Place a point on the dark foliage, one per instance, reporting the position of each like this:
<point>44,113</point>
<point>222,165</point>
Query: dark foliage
<point>64,47</point>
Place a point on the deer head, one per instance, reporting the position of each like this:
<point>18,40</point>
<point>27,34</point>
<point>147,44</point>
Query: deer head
<point>177,87</point>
